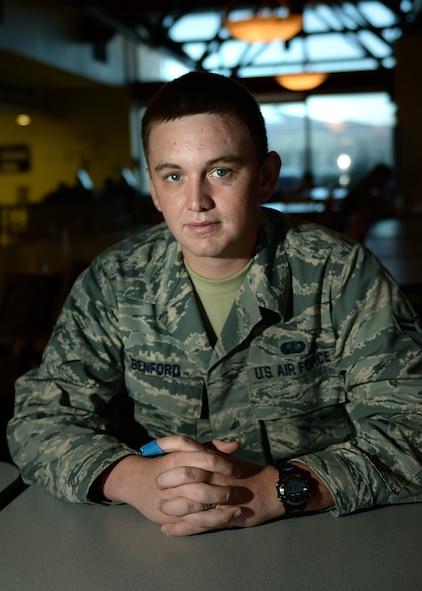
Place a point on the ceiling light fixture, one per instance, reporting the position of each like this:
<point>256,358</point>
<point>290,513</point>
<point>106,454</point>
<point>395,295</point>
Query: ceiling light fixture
<point>265,27</point>
<point>303,81</point>
<point>23,119</point>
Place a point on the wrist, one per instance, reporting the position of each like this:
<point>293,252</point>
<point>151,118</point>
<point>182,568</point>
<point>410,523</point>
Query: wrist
<point>300,490</point>
<point>110,486</point>
<point>320,497</point>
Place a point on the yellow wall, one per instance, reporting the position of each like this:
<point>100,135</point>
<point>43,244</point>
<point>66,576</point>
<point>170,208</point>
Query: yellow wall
<point>86,128</point>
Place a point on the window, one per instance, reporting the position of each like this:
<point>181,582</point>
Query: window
<point>338,138</point>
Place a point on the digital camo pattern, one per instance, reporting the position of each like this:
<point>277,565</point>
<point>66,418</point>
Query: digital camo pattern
<point>320,358</point>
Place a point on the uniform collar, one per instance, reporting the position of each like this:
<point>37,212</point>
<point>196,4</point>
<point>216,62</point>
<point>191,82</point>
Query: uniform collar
<point>267,284</point>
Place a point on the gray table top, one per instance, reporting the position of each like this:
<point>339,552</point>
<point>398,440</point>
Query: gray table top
<point>48,544</point>
<point>8,475</point>
<point>398,245</point>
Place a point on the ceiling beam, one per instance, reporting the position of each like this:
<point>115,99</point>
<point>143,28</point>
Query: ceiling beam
<point>266,87</point>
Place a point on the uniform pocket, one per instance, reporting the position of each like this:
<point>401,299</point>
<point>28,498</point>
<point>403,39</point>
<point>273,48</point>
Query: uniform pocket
<point>294,387</point>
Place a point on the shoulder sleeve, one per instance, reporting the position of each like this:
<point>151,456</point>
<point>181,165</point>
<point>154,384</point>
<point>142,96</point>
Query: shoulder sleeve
<point>62,434</point>
<point>379,353</point>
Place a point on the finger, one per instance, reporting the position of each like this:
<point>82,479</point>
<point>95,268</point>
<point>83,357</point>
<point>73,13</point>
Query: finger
<point>204,521</point>
<point>180,506</point>
<point>185,468</point>
<point>174,443</point>
<point>226,447</point>
<point>193,499</point>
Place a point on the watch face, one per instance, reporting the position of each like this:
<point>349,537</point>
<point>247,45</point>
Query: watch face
<point>295,489</point>
<point>292,488</point>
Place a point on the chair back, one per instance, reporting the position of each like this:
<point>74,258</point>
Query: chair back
<point>29,304</point>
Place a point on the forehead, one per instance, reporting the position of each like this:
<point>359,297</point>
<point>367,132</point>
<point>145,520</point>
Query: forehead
<point>198,128</point>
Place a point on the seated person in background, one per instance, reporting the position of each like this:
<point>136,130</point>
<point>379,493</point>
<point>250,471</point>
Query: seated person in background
<point>302,192</point>
<point>368,200</point>
<point>276,362</point>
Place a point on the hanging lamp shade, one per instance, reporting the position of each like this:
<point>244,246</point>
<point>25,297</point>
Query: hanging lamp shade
<point>303,81</point>
<point>265,28</point>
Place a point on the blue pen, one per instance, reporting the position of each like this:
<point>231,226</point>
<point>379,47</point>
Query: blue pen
<point>151,449</point>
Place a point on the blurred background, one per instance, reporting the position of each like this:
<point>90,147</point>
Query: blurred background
<point>337,82</point>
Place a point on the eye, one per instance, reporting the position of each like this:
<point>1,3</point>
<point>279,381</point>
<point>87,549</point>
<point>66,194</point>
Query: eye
<point>220,172</point>
<point>174,177</point>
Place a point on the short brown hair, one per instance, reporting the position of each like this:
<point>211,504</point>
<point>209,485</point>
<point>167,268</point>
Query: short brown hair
<point>205,92</point>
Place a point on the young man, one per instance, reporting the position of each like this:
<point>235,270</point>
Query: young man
<point>235,337</point>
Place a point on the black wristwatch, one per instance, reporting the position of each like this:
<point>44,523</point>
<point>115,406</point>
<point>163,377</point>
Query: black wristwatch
<point>292,488</point>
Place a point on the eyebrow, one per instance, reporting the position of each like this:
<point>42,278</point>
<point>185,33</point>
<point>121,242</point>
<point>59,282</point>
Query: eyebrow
<point>228,158</point>
<point>163,165</point>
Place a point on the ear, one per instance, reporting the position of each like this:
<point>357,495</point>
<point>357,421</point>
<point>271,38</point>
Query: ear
<point>269,175</point>
<point>153,192</point>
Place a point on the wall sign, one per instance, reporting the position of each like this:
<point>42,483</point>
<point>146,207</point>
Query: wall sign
<point>15,158</point>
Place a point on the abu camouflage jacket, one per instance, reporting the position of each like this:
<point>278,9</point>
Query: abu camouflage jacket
<point>320,358</point>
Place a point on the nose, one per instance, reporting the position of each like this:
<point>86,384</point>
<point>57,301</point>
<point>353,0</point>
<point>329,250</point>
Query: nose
<point>199,196</point>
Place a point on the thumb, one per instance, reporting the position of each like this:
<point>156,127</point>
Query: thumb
<point>225,447</point>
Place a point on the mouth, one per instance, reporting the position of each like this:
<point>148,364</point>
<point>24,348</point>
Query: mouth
<point>202,227</point>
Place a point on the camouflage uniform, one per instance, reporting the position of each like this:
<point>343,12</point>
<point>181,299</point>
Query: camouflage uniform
<point>320,358</point>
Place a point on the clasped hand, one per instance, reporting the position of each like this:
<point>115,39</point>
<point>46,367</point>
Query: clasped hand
<point>174,489</point>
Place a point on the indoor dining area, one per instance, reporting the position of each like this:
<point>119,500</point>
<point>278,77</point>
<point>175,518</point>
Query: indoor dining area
<point>337,85</point>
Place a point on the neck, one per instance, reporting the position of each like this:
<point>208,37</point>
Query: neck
<point>214,268</point>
